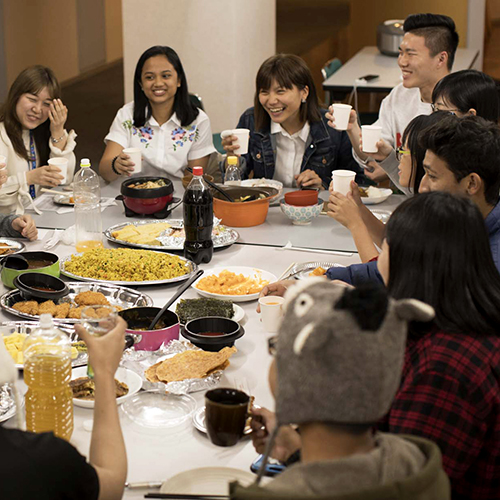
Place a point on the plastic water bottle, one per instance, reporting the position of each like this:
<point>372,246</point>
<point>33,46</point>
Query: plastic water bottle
<point>198,219</point>
<point>232,177</point>
<point>87,195</point>
<point>47,373</point>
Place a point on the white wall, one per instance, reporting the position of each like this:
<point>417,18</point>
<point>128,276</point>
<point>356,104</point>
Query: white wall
<point>221,44</point>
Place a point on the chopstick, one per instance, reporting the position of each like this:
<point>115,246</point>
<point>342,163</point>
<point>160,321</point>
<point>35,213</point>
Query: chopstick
<point>285,272</point>
<point>53,191</point>
<point>185,496</point>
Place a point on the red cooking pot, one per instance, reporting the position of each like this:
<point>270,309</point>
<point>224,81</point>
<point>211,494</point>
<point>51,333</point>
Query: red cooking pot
<point>147,201</point>
<point>150,340</point>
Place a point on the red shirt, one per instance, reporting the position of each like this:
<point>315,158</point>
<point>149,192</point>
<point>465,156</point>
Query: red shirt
<point>450,394</point>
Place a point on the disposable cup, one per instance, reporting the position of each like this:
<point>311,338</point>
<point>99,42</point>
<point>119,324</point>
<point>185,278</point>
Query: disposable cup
<point>370,135</point>
<point>62,164</point>
<point>342,180</point>
<point>341,113</point>
<point>242,135</point>
<point>3,162</point>
<point>136,157</point>
<point>271,312</point>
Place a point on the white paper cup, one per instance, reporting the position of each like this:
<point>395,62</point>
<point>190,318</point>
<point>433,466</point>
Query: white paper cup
<point>135,156</point>
<point>242,135</point>
<point>61,163</point>
<point>341,113</point>
<point>370,135</point>
<point>342,180</point>
<point>3,162</point>
<point>271,312</point>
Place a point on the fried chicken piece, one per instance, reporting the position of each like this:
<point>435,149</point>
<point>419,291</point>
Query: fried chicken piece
<point>91,299</point>
<point>75,312</point>
<point>27,307</point>
<point>62,310</point>
<point>47,307</point>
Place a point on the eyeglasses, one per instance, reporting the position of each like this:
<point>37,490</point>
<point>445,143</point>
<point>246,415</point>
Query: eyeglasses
<point>272,343</point>
<point>435,107</point>
<point>400,152</point>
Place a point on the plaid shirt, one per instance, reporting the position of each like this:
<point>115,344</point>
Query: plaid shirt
<point>450,394</point>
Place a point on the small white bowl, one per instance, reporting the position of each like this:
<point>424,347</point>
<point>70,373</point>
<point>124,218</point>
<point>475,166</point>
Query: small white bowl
<point>301,216</point>
<point>374,200</point>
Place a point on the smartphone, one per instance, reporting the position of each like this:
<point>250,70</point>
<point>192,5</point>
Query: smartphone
<point>273,467</point>
<point>369,78</point>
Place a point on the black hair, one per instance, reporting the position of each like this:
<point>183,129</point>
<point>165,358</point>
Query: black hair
<point>439,253</point>
<point>468,89</point>
<point>467,145</point>
<point>288,70</point>
<point>184,108</point>
<point>410,139</point>
<point>439,32</point>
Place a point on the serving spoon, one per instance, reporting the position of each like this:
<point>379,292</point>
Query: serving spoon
<point>214,186</point>
<point>174,297</point>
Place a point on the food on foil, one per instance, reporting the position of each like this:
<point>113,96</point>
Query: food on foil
<point>125,264</point>
<point>84,388</point>
<point>189,364</point>
<point>229,283</point>
<point>319,271</point>
<point>188,309</point>
<point>143,234</point>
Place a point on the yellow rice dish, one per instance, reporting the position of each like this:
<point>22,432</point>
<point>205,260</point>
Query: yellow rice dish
<point>125,264</point>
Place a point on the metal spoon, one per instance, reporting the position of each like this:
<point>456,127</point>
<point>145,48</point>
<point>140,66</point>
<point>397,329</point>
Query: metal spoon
<point>176,295</point>
<point>214,186</point>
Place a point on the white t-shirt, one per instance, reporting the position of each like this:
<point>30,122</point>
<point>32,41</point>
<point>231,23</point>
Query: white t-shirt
<point>165,148</point>
<point>289,153</point>
<point>396,111</point>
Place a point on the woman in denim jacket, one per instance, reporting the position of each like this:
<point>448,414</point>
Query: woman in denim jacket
<point>289,137</point>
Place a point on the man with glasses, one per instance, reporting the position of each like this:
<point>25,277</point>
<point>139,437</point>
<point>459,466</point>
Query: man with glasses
<point>426,55</point>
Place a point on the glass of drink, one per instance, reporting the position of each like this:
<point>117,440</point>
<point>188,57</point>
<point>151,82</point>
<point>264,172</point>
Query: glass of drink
<point>98,320</point>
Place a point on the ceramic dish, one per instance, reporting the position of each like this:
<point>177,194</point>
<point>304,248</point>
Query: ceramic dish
<point>17,246</point>
<point>302,271</point>
<point>246,271</point>
<point>28,327</point>
<point>192,268</point>
<point>372,200</point>
<point>227,237</point>
<point>301,216</point>
<point>207,480</point>
<point>116,295</point>
<point>382,215</point>
<point>63,199</point>
<point>124,375</point>
<point>156,410</point>
<point>199,421</point>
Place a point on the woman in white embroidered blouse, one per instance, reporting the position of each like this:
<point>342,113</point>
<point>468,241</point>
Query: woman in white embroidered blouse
<point>170,130</point>
<point>32,131</point>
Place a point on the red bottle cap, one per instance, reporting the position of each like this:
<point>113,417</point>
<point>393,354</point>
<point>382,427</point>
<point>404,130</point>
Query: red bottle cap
<point>197,170</point>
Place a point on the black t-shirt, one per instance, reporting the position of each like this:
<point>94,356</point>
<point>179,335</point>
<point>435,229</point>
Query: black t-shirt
<point>43,467</point>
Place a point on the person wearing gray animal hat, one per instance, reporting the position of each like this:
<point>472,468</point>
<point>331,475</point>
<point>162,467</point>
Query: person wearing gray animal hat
<point>338,366</point>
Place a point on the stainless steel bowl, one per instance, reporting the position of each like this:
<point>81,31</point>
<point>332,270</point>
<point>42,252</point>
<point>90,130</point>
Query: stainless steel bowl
<point>389,36</point>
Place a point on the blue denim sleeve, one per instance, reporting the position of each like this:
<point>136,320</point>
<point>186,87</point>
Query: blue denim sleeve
<point>356,274</point>
<point>246,121</point>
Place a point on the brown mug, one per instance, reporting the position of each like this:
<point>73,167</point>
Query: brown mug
<point>226,411</point>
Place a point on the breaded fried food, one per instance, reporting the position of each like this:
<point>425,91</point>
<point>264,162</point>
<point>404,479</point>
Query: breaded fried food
<point>150,373</point>
<point>47,307</point>
<point>90,298</point>
<point>27,307</point>
<point>75,312</point>
<point>191,364</point>
<point>100,312</point>
<point>62,310</point>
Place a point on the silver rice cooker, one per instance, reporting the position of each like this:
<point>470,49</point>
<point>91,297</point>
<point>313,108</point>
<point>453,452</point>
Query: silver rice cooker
<point>389,36</point>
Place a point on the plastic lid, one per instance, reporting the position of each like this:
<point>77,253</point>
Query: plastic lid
<point>232,160</point>
<point>197,170</point>
<point>84,162</point>
<point>46,321</point>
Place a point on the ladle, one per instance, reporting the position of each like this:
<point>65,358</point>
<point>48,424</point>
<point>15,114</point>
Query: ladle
<point>174,297</point>
<point>214,186</point>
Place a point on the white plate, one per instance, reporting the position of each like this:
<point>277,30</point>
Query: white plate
<point>124,375</point>
<point>207,480</point>
<point>63,199</point>
<point>246,271</point>
<point>385,193</point>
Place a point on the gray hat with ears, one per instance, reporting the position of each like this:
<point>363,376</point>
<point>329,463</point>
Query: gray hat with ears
<point>340,352</point>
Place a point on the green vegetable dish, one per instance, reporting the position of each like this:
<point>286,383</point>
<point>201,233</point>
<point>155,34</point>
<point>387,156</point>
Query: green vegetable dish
<point>188,309</point>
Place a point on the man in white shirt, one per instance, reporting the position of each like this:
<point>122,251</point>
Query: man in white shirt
<point>426,55</point>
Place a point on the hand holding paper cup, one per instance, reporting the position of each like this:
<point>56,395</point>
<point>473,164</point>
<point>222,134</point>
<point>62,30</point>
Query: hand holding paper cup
<point>341,113</point>
<point>370,135</point>
<point>62,165</point>
<point>271,311</point>
<point>242,135</point>
<point>136,157</point>
<point>342,181</point>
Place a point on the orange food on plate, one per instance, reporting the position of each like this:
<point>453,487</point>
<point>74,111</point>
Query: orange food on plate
<point>229,283</point>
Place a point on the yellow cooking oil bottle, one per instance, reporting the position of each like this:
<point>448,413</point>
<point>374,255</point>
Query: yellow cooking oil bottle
<point>47,373</point>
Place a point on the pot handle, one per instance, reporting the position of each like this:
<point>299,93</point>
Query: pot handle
<point>119,197</point>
